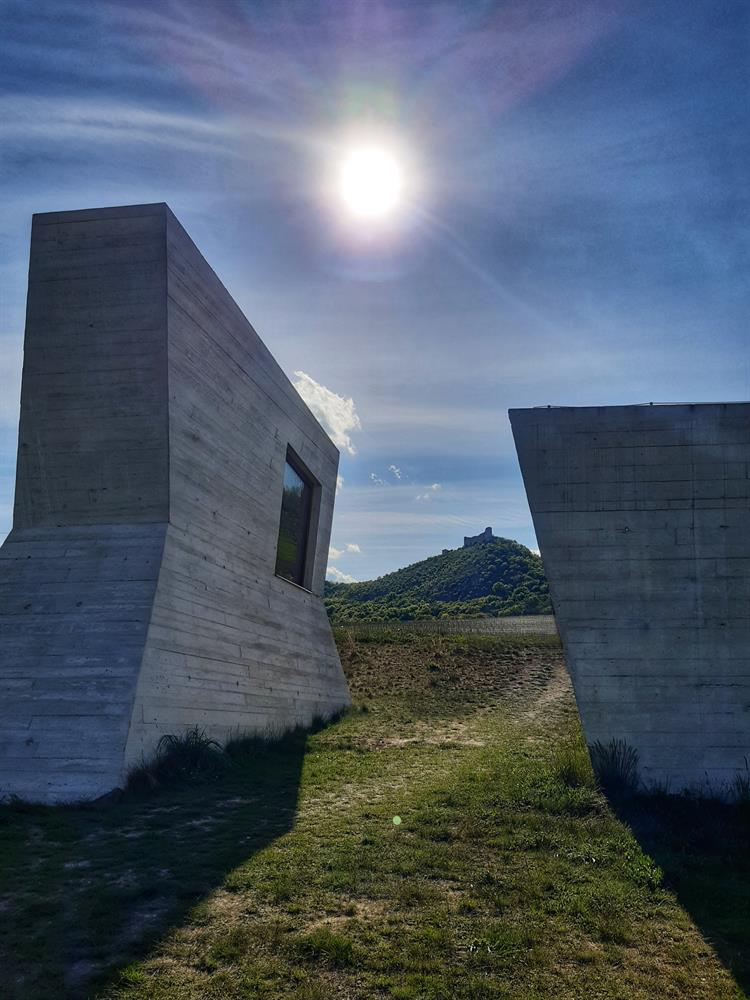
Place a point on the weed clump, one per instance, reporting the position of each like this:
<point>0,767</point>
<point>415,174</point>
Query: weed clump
<point>196,757</point>
<point>192,756</point>
<point>571,766</point>
<point>739,789</point>
<point>615,765</point>
<point>321,943</point>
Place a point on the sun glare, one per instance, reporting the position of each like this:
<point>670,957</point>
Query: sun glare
<point>371,182</point>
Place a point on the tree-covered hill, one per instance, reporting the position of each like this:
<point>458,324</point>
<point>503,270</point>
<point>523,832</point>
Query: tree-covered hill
<point>501,577</point>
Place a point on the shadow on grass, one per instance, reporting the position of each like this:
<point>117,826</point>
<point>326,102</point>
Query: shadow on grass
<point>703,848</point>
<point>84,892</point>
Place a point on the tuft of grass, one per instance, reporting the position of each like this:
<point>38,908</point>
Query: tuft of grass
<point>271,741</point>
<point>194,756</point>
<point>322,943</point>
<point>191,756</point>
<point>571,765</point>
<point>739,790</point>
<point>615,765</point>
<point>313,991</point>
<point>292,740</point>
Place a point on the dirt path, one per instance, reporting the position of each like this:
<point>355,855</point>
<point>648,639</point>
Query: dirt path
<point>520,687</point>
<point>558,687</point>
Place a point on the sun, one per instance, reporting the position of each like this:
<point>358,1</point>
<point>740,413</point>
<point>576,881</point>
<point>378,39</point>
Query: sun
<point>371,182</point>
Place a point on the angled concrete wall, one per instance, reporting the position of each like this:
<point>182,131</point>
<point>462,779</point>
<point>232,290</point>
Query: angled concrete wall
<point>642,514</point>
<point>138,593</point>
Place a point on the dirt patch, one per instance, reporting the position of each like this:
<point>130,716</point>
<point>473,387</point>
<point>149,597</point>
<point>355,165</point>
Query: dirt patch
<point>478,674</point>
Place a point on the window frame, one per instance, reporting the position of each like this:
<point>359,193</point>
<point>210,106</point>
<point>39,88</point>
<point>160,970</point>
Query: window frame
<point>310,538</point>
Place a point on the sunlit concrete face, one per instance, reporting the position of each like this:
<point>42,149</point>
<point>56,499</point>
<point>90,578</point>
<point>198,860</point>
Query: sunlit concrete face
<point>643,519</point>
<point>138,592</point>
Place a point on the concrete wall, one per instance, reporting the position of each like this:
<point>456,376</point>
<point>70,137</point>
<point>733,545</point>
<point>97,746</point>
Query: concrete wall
<point>643,519</point>
<point>232,646</point>
<point>75,605</point>
<point>93,428</point>
<point>137,587</point>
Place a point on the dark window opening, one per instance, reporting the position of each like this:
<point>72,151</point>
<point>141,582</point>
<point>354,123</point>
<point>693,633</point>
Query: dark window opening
<point>294,526</point>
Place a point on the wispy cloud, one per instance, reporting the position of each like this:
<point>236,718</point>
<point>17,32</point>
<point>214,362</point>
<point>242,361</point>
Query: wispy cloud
<point>24,119</point>
<point>338,414</point>
<point>376,479</point>
<point>339,484</point>
<point>395,470</point>
<point>431,491</point>
<point>337,576</point>
<point>353,547</point>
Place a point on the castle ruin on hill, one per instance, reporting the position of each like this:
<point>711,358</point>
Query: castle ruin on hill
<point>481,539</point>
<point>470,540</point>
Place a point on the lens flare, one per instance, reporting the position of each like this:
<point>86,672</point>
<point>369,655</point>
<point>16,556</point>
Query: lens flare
<point>371,182</point>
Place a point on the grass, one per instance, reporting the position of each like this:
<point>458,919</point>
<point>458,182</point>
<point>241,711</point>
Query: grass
<point>191,756</point>
<point>510,875</point>
<point>615,765</point>
<point>571,765</point>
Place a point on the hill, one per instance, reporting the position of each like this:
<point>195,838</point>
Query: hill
<point>500,577</point>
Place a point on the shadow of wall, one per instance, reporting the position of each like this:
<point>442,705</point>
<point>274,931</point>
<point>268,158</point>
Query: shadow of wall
<point>94,890</point>
<point>703,848</point>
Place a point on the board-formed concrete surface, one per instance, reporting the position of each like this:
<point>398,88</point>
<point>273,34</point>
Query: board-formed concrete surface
<point>642,514</point>
<point>138,594</point>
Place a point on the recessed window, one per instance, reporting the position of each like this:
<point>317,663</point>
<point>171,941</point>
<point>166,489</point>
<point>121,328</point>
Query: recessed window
<point>294,526</point>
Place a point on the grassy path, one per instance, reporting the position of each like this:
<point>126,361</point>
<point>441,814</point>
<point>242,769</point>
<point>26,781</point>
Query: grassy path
<point>289,877</point>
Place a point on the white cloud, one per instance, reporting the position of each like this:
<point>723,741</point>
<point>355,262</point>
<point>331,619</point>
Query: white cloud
<point>376,479</point>
<point>350,547</point>
<point>336,413</point>
<point>431,491</point>
<point>395,470</point>
<point>336,576</point>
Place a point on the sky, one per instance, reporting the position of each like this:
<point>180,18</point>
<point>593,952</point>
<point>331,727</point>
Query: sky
<point>573,228</point>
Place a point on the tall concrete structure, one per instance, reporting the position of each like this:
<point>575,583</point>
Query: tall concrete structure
<point>173,509</point>
<point>643,519</point>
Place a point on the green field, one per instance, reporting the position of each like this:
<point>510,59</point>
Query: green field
<point>509,874</point>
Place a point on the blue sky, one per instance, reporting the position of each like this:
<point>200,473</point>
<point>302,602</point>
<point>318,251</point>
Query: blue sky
<point>575,231</point>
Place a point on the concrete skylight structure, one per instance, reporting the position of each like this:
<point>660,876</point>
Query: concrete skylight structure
<point>172,519</point>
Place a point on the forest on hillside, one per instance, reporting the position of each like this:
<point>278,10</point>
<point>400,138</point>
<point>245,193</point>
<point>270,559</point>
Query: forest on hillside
<point>501,577</point>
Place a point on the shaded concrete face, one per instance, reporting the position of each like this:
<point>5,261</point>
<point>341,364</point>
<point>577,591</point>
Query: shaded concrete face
<point>137,588</point>
<point>642,514</point>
